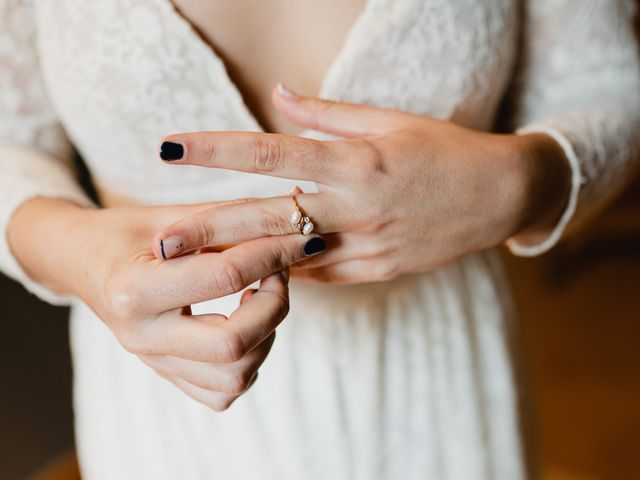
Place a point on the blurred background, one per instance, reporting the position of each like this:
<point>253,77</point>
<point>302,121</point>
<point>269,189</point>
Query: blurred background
<point>580,310</point>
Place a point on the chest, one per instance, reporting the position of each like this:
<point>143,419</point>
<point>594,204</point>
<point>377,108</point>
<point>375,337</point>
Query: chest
<point>262,43</point>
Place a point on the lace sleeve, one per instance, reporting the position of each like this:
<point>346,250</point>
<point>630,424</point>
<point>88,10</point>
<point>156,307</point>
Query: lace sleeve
<point>35,155</point>
<point>579,82</point>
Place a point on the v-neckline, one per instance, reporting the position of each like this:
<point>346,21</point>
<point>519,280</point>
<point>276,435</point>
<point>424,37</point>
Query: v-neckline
<point>237,95</point>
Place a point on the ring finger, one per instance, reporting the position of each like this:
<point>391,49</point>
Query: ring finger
<point>343,247</point>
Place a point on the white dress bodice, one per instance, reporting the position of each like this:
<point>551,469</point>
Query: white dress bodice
<point>407,379</point>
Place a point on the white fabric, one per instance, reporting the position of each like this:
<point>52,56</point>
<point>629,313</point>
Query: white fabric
<point>409,379</point>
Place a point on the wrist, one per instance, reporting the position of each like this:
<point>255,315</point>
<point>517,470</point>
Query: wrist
<point>546,186</point>
<point>44,235</point>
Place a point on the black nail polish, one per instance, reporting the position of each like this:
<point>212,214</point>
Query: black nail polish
<point>171,151</point>
<point>313,246</point>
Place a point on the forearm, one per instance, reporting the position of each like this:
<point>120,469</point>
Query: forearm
<point>45,235</point>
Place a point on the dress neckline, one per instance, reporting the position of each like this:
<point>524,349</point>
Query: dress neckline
<point>326,83</point>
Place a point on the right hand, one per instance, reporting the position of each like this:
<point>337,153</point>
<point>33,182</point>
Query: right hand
<point>105,258</point>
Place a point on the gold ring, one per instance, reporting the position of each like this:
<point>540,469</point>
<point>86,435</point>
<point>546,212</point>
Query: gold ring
<point>299,220</point>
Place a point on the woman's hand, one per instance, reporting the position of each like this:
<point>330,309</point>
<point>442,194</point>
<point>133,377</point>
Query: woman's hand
<point>104,257</point>
<point>403,193</point>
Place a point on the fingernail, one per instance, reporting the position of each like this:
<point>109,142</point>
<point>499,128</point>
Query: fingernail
<point>171,151</point>
<point>286,92</point>
<point>170,246</point>
<point>313,246</point>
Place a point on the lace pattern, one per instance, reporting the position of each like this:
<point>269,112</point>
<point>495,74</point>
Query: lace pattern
<point>123,73</point>
<point>113,77</point>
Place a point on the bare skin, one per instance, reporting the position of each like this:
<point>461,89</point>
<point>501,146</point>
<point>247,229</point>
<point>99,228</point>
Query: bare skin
<point>111,258</point>
<point>254,38</point>
<point>104,257</point>
<point>402,194</point>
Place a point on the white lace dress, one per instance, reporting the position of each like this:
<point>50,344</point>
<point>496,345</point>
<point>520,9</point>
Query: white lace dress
<point>411,379</point>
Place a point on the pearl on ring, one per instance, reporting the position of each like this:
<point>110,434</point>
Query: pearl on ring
<point>302,223</point>
<point>307,228</point>
<point>296,217</point>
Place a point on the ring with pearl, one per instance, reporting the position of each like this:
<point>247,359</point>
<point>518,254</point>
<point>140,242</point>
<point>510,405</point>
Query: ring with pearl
<point>299,220</point>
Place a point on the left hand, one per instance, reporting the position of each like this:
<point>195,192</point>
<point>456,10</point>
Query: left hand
<point>402,193</point>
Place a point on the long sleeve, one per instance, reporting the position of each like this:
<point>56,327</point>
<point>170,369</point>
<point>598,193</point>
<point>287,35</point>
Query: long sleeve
<point>579,82</point>
<point>36,158</point>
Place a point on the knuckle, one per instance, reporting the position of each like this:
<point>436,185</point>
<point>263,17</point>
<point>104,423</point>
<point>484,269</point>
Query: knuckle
<point>199,379</point>
<point>372,217</point>
<point>321,109</point>
<point>283,256</point>
<point>379,217</point>
<point>369,160</point>
<point>272,224</point>
<point>228,279</point>
<point>267,155</point>
<point>205,231</point>
<point>122,298</point>
<point>208,151</point>
<point>385,272</point>
<point>237,383</point>
<point>221,404</point>
<point>383,249</point>
<point>231,348</point>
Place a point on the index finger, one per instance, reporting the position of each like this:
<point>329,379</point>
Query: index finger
<point>264,153</point>
<point>192,279</point>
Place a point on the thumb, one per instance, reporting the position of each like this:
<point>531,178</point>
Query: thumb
<point>343,119</point>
